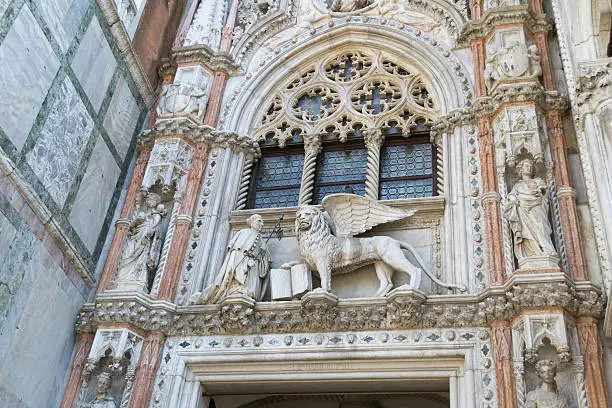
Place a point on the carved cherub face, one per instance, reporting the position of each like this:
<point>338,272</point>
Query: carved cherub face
<point>104,383</point>
<point>256,222</point>
<point>526,168</point>
<point>547,371</point>
<point>305,216</point>
<point>152,200</point>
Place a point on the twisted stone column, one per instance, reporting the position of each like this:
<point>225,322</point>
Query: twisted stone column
<point>245,181</point>
<point>181,234</point>
<point>373,141</point>
<point>592,355</point>
<point>82,348</point>
<point>150,357</point>
<point>122,224</point>
<point>312,148</point>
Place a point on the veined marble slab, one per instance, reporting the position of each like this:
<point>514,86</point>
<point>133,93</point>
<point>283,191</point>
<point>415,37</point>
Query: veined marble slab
<point>59,148</point>
<point>121,117</point>
<point>95,193</point>
<point>28,68</point>
<point>94,64</point>
<point>63,18</point>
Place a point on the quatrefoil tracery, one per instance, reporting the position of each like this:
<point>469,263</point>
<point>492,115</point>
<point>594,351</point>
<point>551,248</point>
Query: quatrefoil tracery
<point>346,94</point>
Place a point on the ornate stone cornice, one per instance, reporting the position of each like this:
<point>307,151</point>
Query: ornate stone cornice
<point>124,44</point>
<point>198,54</point>
<point>448,123</point>
<point>517,93</point>
<point>521,14</point>
<point>196,134</point>
<point>401,309</point>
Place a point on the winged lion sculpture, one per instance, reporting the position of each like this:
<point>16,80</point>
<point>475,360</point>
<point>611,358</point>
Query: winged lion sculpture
<point>326,243</point>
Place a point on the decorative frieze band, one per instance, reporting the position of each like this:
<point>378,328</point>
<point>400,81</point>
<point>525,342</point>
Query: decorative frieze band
<point>196,134</point>
<point>402,309</point>
<point>503,16</point>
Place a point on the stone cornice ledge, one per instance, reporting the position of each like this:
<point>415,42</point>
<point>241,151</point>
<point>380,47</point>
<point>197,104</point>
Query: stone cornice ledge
<point>196,133</point>
<point>498,16</point>
<point>111,16</point>
<point>46,217</point>
<point>316,311</point>
<point>198,54</point>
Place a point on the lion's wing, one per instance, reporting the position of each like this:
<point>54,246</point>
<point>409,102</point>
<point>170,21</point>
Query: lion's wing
<point>354,215</point>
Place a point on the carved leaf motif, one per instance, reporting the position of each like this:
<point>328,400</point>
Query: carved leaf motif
<point>354,215</point>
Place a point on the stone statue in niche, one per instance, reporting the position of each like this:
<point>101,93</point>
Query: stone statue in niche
<point>245,269</point>
<point>103,398</point>
<point>546,395</point>
<point>513,61</point>
<point>527,214</point>
<point>326,243</point>
<point>143,245</point>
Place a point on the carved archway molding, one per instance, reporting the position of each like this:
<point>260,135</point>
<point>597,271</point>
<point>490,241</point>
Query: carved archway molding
<point>451,15</point>
<point>438,65</point>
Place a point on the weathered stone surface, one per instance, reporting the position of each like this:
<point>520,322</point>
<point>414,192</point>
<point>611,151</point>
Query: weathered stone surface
<point>63,18</point>
<point>94,64</point>
<point>121,117</point>
<point>62,140</point>
<point>95,193</point>
<point>28,68</point>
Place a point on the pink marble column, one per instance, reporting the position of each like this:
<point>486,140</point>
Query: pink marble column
<point>178,246</point>
<point>502,354</point>
<point>121,227</point>
<point>150,357</point>
<point>82,348</point>
<point>592,354</point>
<point>216,98</point>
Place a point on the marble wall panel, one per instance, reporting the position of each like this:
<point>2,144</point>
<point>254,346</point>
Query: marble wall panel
<point>63,18</point>
<point>3,6</point>
<point>28,68</point>
<point>94,64</point>
<point>37,359</point>
<point>62,140</point>
<point>121,117</point>
<point>95,193</point>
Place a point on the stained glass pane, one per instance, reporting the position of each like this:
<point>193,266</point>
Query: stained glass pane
<point>391,190</point>
<point>278,181</point>
<point>323,191</point>
<point>277,198</point>
<point>406,160</point>
<point>342,166</point>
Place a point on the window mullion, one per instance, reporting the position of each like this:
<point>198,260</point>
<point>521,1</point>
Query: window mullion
<point>312,148</point>
<point>245,184</point>
<point>373,141</point>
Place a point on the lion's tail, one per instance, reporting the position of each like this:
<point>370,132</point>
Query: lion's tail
<point>409,248</point>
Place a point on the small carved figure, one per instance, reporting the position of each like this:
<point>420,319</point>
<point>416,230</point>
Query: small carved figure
<point>546,395</point>
<point>326,245</point>
<point>527,214</point>
<point>103,399</point>
<point>182,99</point>
<point>245,269</point>
<point>142,249</point>
<point>345,6</point>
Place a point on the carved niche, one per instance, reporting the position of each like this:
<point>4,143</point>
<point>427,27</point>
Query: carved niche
<point>547,362</point>
<point>169,163</point>
<point>511,55</point>
<point>527,188</point>
<point>187,96</point>
<point>108,376</point>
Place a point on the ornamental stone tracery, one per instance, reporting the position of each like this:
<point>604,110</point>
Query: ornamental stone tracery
<point>348,93</point>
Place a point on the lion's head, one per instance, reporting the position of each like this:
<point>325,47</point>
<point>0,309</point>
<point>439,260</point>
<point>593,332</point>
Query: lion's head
<point>309,220</point>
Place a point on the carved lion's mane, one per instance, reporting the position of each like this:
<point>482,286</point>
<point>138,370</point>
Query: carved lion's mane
<point>317,237</point>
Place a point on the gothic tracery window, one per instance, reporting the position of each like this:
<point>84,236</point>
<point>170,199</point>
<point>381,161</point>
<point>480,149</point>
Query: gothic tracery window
<point>357,122</point>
